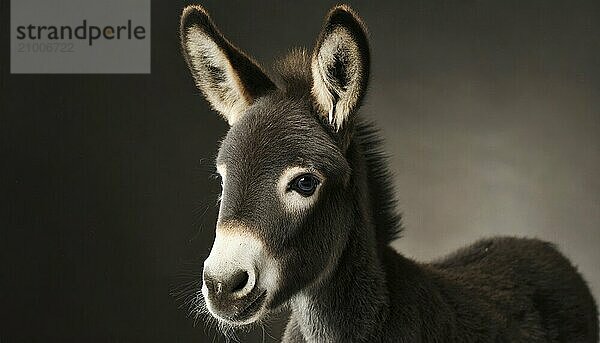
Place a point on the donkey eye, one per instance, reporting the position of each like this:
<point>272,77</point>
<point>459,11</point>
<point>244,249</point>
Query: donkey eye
<point>305,184</point>
<point>217,177</point>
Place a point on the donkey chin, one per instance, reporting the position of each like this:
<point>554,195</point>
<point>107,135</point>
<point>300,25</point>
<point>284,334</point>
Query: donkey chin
<point>239,278</point>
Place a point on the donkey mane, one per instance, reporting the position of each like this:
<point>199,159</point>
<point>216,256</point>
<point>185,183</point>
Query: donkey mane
<point>292,73</point>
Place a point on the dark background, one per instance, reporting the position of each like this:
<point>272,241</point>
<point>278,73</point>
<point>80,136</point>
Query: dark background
<point>491,112</point>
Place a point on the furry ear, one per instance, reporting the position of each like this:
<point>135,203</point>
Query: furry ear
<point>340,65</point>
<point>229,79</point>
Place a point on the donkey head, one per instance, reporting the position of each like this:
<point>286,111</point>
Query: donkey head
<point>286,199</point>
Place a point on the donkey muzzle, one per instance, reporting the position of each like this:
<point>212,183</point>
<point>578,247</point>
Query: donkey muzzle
<point>232,288</point>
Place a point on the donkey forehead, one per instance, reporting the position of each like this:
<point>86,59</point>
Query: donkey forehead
<point>275,134</point>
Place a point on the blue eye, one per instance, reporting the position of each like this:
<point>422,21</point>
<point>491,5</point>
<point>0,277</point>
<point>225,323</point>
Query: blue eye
<point>305,184</point>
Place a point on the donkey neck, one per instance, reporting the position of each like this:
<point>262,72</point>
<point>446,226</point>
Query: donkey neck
<point>353,301</point>
<point>349,305</point>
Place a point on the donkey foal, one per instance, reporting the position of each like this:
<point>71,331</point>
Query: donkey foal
<point>307,214</point>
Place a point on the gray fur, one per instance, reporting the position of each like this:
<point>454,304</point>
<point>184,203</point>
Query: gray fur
<point>340,277</point>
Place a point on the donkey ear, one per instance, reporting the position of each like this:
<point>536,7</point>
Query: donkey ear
<point>340,65</point>
<point>229,79</point>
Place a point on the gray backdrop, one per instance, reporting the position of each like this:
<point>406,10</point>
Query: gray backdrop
<point>490,110</point>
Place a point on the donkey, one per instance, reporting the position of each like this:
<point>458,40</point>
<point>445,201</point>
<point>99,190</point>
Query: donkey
<point>307,214</point>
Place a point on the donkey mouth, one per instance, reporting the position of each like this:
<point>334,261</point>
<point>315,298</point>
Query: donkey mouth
<point>243,311</point>
<point>251,309</point>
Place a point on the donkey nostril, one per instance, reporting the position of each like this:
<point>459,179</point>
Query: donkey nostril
<point>226,285</point>
<point>239,281</point>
